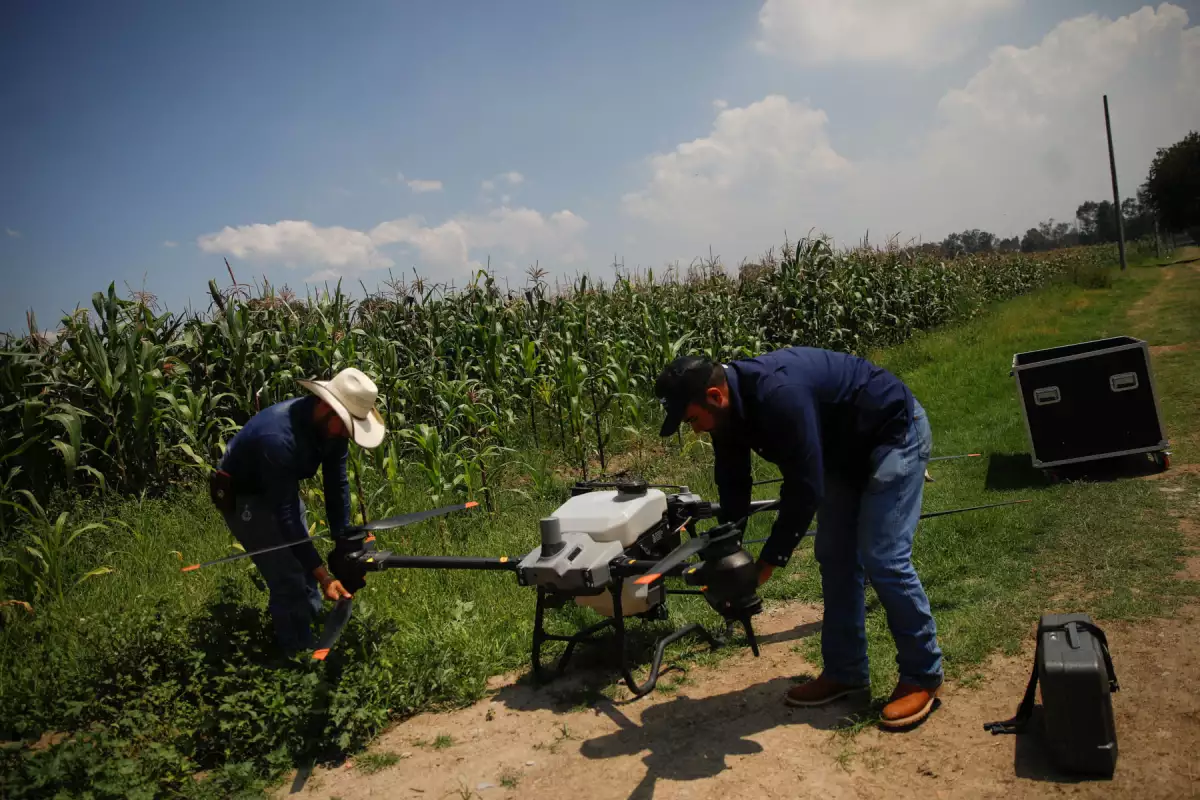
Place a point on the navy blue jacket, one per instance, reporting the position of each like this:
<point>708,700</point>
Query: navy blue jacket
<point>279,447</point>
<point>811,412</point>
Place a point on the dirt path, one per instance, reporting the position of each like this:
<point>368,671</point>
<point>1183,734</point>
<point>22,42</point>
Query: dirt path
<point>724,733</point>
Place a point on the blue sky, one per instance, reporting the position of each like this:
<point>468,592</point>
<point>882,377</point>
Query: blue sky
<point>147,141</point>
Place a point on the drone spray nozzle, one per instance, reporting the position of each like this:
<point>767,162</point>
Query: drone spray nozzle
<point>552,540</point>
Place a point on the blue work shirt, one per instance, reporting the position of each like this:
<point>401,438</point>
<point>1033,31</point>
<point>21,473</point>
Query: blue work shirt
<point>279,447</point>
<point>811,412</point>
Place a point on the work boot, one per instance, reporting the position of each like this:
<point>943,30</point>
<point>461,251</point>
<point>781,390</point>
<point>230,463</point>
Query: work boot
<point>820,691</point>
<point>908,704</point>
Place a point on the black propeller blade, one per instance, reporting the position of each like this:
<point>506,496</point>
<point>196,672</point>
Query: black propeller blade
<point>698,543</point>
<point>410,518</point>
<point>378,525</point>
<point>335,623</point>
<point>676,556</point>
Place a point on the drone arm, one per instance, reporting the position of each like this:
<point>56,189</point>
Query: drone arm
<point>382,559</point>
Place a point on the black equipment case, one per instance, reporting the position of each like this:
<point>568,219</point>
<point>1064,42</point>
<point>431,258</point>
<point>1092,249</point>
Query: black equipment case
<point>1076,672</point>
<point>1088,401</point>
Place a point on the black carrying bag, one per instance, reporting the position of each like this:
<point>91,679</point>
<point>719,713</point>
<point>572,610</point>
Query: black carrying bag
<point>1076,671</point>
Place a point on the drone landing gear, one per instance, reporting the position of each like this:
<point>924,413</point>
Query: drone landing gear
<point>748,628</point>
<point>617,623</point>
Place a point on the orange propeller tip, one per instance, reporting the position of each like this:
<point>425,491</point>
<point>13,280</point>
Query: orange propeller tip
<point>319,655</point>
<point>471,504</point>
<point>189,569</point>
<point>648,578</point>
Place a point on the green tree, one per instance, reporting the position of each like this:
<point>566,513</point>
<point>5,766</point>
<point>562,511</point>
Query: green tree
<point>1173,185</point>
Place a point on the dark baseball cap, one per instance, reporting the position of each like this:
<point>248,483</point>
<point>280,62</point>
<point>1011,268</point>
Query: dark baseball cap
<point>683,381</point>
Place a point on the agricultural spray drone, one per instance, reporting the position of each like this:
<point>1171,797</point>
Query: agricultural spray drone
<point>610,547</point>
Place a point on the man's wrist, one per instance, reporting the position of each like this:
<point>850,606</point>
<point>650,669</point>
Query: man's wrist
<point>322,575</point>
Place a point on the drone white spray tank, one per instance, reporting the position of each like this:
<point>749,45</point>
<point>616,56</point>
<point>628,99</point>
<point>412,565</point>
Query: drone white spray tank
<point>582,536</point>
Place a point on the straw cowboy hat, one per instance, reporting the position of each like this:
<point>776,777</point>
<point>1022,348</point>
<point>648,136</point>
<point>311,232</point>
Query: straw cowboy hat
<point>352,395</point>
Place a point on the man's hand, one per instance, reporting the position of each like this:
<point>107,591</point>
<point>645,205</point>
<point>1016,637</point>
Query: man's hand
<point>764,572</point>
<point>331,587</point>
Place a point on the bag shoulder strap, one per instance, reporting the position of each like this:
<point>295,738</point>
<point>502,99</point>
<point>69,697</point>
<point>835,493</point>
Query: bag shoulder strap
<point>1025,710</point>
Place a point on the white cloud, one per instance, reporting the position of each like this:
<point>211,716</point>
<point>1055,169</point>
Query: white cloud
<point>451,247</point>
<point>521,231</point>
<point>1020,141</point>
<point>13,234</point>
<point>294,242</point>
<point>487,186</point>
<point>421,186</point>
<point>514,178</point>
<point>720,105</point>
<point>769,156</point>
<point>914,32</point>
<point>169,243</point>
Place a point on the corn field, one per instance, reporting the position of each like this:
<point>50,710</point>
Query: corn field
<point>125,399</point>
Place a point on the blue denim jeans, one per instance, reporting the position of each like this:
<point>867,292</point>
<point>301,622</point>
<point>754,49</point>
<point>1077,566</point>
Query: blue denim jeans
<point>295,598</point>
<point>868,530</point>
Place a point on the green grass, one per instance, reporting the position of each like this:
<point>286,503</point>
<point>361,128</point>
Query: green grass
<point>373,762</point>
<point>509,778</point>
<point>177,672</point>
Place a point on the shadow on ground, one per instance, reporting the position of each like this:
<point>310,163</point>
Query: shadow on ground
<point>690,739</point>
<point>1015,471</point>
<point>1031,756</point>
<point>595,669</point>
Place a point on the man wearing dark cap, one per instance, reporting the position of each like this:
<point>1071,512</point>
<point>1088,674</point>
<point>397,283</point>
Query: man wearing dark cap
<point>852,443</point>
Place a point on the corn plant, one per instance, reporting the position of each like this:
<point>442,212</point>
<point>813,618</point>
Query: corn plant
<point>127,399</point>
<point>45,558</point>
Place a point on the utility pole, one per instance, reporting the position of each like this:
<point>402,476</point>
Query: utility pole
<point>1112,165</point>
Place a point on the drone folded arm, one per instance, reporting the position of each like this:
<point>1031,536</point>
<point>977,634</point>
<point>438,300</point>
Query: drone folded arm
<point>381,560</point>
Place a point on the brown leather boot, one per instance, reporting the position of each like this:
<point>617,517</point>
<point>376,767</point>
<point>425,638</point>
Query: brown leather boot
<point>908,704</point>
<point>822,690</point>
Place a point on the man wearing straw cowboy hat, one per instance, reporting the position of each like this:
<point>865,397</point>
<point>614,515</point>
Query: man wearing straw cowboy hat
<point>261,472</point>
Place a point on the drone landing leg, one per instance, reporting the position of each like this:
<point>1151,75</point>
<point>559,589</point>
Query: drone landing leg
<point>750,635</point>
<point>540,637</point>
<point>656,665</point>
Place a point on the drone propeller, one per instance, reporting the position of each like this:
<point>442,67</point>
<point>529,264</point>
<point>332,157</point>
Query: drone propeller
<point>378,525</point>
<point>698,543</point>
<point>410,518</point>
<point>335,623</point>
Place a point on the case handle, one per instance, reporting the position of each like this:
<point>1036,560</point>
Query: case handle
<point>1123,381</point>
<point>1046,395</point>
